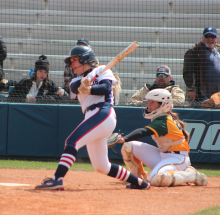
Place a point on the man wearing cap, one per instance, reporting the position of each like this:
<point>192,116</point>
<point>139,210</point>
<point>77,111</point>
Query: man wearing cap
<point>3,55</point>
<point>83,42</point>
<point>201,69</point>
<point>163,80</point>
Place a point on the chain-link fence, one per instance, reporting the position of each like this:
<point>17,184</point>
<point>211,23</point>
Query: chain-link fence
<point>165,30</point>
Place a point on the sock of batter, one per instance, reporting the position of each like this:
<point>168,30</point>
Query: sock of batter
<point>123,174</point>
<point>66,161</point>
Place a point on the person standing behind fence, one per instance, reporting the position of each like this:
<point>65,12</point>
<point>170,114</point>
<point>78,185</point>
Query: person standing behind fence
<point>3,55</point>
<point>38,88</point>
<point>96,101</point>
<point>201,69</point>
<point>83,42</point>
<point>163,80</point>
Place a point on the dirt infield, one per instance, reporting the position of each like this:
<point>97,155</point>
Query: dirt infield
<point>94,193</point>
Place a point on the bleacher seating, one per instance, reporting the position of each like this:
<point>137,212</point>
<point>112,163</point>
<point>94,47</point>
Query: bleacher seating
<point>52,27</point>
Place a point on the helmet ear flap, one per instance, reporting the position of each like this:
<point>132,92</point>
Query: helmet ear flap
<point>86,58</point>
<point>81,60</point>
<point>86,55</point>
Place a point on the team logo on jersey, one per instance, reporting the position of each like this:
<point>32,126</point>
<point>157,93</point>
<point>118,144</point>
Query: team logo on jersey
<point>95,82</point>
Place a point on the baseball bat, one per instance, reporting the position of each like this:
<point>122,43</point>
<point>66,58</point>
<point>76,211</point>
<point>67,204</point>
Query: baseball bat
<point>118,58</point>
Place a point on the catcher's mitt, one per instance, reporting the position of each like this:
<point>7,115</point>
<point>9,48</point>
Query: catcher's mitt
<point>114,139</point>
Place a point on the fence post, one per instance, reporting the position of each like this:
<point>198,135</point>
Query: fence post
<point>20,48</point>
<point>157,36</point>
<point>38,17</point>
<point>149,52</point>
<point>29,32</point>
<point>170,7</point>
<point>46,4</point>
<point>12,63</point>
<point>164,20</point>
<point>142,67</point>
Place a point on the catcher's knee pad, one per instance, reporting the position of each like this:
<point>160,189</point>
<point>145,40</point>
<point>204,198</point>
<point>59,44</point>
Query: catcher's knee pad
<point>127,154</point>
<point>126,150</point>
<point>162,179</point>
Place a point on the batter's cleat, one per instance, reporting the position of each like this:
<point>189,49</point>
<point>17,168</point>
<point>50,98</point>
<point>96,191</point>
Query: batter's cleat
<point>132,186</point>
<point>201,179</point>
<point>50,184</point>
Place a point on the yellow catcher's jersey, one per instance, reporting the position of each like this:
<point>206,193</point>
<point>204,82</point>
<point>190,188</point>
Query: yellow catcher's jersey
<point>168,127</point>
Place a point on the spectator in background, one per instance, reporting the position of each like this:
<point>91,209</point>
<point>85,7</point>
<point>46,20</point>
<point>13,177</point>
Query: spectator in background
<point>163,80</point>
<point>3,55</point>
<point>68,76</point>
<point>83,42</point>
<point>201,69</point>
<point>38,88</point>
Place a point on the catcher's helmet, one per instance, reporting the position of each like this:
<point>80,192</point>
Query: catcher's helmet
<point>159,95</point>
<point>85,53</point>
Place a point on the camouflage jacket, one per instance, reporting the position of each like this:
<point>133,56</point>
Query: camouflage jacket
<point>177,94</point>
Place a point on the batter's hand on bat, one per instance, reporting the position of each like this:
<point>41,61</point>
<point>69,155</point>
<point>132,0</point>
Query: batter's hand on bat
<point>84,90</point>
<point>86,81</point>
<point>85,87</point>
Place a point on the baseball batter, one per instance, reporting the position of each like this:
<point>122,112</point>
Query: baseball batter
<point>96,101</point>
<point>170,162</point>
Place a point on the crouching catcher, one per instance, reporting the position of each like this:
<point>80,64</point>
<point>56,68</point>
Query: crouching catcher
<point>169,161</point>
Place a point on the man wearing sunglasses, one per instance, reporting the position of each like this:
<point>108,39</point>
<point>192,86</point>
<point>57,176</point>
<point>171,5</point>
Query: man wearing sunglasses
<point>201,69</point>
<point>163,80</point>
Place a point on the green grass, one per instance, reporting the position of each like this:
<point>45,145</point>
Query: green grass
<point>79,166</point>
<point>24,164</point>
<point>210,211</point>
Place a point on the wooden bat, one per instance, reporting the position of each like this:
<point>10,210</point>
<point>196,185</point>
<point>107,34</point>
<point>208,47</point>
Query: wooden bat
<point>118,58</point>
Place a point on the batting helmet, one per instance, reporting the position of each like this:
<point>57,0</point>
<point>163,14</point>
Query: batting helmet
<point>159,95</point>
<point>86,55</point>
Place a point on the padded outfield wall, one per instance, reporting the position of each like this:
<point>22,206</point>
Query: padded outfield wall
<point>31,130</point>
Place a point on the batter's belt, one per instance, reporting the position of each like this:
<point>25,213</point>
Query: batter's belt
<point>178,152</point>
<point>175,152</point>
<point>94,106</point>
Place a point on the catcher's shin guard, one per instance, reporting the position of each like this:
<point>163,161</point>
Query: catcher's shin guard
<point>176,178</point>
<point>134,164</point>
<point>162,179</point>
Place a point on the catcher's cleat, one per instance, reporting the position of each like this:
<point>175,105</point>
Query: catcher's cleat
<point>50,184</point>
<point>191,169</point>
<point>132,186</point>
<point>201,179</point>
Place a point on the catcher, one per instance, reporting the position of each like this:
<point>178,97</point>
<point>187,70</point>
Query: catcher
<point>170,162</point>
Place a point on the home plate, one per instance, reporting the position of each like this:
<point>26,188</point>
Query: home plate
<point>14,184</point>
